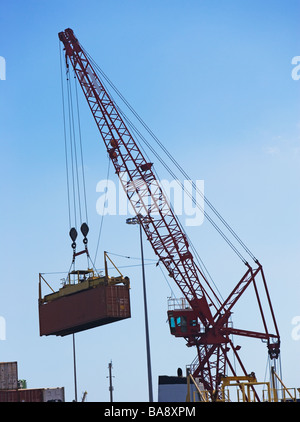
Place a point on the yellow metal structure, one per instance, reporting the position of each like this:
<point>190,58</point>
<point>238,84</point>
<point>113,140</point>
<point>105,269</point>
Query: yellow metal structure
<point>287,394</point>
<point>245,390</point>
<point>202,395</point>
<point>79,280</point>
<point>245,385</point>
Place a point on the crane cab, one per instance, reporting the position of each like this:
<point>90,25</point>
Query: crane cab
<point>183,320</point>
<point>183,323</point>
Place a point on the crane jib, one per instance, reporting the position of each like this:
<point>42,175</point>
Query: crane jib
<point>164,232</point>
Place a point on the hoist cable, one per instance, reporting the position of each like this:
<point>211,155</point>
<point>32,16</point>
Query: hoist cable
<point>75,149</point>
<point>140,136</point>
<point>75,152</point>
<point>81,151</point>
<point>65,137</point>
<point>71,152</point>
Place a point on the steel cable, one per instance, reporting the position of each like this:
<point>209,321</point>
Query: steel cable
<point>181,170</point>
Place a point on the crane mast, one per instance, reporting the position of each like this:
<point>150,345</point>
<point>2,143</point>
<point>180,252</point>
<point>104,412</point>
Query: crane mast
<point>204,323</point>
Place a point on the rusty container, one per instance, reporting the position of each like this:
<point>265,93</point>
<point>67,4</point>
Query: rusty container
<point>9,396</point>
<point>32,395</point>
<point>84,309</point>
<point>8,375</point>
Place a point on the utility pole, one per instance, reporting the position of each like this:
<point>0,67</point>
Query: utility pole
<point>135,220</point>
<point>110,381</point>
<point>146,323</point>
<point>74,363</point>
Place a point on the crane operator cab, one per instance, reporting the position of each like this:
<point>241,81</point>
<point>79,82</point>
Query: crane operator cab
<point>183,320</point>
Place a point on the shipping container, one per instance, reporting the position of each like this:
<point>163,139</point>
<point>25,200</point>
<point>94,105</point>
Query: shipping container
<point>8,375</point>
<point>33,395</point>
<point>9,396</point>
<point>54,394</point>
<point>90,303</point>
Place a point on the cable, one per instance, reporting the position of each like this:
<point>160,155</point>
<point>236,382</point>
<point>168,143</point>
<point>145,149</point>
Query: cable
<point>234,234</point>
<point>73,155</point>
<point>130,257</point>
<point>65,137</point>
<point>71,150</point>
<point>169,285</point>
<point>81,150</point>
<point>139,135</point>
<point>102,217</point>
<point>188,193</point>
<point>75,150</point>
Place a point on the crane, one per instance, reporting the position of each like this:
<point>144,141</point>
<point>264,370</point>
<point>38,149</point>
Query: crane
<point>204,320</point>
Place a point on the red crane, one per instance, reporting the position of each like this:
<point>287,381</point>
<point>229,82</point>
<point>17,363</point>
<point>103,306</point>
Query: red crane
<point>205,322</point>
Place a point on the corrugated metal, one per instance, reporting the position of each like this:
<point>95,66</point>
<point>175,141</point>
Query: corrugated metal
<point>83,310</point>
<point>8,375</point>
<point>9,396</point>
<point>117,302</point>
<point>54,394</point>
<point>32,395</point>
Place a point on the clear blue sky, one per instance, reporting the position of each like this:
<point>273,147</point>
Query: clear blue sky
<point>213,80</point>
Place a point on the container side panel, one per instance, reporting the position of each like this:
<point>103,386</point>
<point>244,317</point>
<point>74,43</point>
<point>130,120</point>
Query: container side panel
<point>31,395</point>
<point>118,302</point>
<point>8,375</point>
<point>9,396</point>
<point>84,310</point>
<point>54,394</point>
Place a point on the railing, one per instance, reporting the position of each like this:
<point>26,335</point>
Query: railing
<point>175,303</point>
<point>284,395</point>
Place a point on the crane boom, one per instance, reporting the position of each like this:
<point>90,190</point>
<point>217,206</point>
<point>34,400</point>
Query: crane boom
<point>205,322</point>
<point>140,184</point>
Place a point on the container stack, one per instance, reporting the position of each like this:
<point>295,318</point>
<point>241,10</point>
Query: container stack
<point>10,390</point>
<point>8,376</point>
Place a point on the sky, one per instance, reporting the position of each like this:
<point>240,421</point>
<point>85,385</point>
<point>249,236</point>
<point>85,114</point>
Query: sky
<point>213,80</point>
